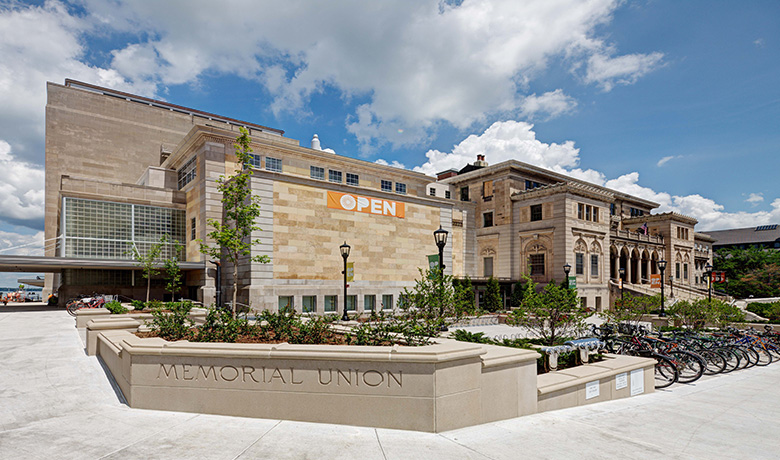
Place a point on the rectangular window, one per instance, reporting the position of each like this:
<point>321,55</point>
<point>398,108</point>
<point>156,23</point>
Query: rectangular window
<point>685,271</point>
<point>487,189</point>
<point>353,179</point>
<point>580,211</point>
<point>273,164</point>
<point>536,212</point>
<point>387,302</point>
<point>487,266</point>
<point>598,303</point>
<point>579,265</point>
<point>584,302</point>
<point>594,265</point>
<point>317,173</point>
<point>677,270</point>
<point>387,186</point>
<point>334,176</point>
<point>464,194</point>
<point>187,173</point>
<point>432,191</point>
<point>400,188</point>
<point>254,160</point>
<point>612,209</point>
<point>309,304</point>
<point>587,212</point>
<point>330,303</point>
<point>529,185</point>
<point>537,264</point>
<point>595,214</point>
<point>193,234</point>
<point>447,194</point>
<point>487,219</point>
<point>285,302</point>
<point>369,302</point>
<point>351,303</point>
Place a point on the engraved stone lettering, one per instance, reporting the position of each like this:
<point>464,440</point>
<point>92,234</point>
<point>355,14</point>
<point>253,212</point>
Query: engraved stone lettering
<point>249,370</point>
<point>292,377</point>
<point>398,379</point>
<point>186,370</point>
<point>205,371</point>
<point>168,371</point>
<point>373,378</point>
<point>330,376</point>
<point>277,374</point>
<point>232,370</point>
<point>340,375</point>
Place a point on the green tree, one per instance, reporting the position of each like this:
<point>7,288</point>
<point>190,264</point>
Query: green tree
<point>753,271</point>
<point>172,270</point>
<point>233,236</point>
<point>517,294</point>
<point>435,299</point>
<point>465,292</point>
<point>148,261</point>
<point>631,308</point>
<point>551,314</point>
<point>492,298</point>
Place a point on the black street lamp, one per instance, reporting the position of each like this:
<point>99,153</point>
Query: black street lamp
<point>622,272</point>
<point>440,236</point>
<point>662,267</point>
<point>671,285</point>
<point>345,254</point>
<point>708,271</point>
<point>566,270</point>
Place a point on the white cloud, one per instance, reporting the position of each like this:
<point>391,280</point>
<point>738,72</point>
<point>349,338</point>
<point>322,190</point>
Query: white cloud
<point>513,140</point>
<point>394,163</point>
<point>414,66</point>
<point>607,71</point>
<point>665,160</point>
<point>21,190</point>
<point>21,244</point>
<point>755,198</point>
<point>759,42</point>
<point>552,104</point>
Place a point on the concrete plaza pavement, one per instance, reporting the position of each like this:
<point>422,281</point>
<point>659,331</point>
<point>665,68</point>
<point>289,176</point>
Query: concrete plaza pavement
<point>57,403</point>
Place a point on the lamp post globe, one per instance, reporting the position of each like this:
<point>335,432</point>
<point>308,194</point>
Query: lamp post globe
<point>662,267</point>
<point>566,270</point>
<point>344,248</point>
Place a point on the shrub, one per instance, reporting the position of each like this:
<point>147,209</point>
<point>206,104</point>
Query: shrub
<point>221,326</point>
<point>173,325</point>
<point>155,304</point>
<point>770,311</point>
<point>115,307</point>
<point>137,304</point>
<point>492,298</point>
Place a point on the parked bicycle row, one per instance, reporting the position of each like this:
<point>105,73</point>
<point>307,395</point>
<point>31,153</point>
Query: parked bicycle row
<point>684,356</point>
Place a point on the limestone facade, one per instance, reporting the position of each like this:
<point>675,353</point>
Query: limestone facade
<point>510,220</point>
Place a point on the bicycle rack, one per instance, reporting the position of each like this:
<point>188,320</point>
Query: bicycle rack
<point>583,345</point>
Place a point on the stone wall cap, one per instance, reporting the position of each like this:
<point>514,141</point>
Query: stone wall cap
<point>99,324</point>
<point>580,375</point>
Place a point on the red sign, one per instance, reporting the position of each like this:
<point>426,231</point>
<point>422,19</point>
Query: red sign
<point>655,281</point>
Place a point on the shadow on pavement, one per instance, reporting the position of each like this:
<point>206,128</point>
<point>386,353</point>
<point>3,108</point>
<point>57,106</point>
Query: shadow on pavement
<point>27,307</point>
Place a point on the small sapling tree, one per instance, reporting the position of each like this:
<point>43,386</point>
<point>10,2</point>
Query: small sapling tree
<point>148,262</point>
<point>233,236</point>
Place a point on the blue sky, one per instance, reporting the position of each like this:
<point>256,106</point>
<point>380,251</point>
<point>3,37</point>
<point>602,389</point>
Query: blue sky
<point>677,102</point>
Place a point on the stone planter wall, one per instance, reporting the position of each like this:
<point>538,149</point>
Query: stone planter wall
<point>616,377</point>
<point>85,315</point>
<point>432,388</point>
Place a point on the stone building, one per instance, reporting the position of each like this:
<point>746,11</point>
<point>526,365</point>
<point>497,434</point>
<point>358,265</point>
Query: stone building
<point>122,170</point>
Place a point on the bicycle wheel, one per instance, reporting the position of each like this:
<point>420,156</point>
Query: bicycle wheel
<point>764,357</point>
<point>715,362</point>
<point>751,355</point>
<point>72,306</point>
<point>689,366</point>
<point>733,359</point>
<point>665,372</point>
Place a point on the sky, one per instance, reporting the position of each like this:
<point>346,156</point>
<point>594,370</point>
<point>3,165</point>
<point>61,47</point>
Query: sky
<point>675,102</point>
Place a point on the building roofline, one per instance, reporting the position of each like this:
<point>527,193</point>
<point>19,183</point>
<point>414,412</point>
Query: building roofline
<point>510,164</point>
<point>166,105</point>
<point>662,216</point>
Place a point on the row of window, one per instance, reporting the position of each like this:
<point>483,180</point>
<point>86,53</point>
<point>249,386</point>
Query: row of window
<point>432,192</point>
<point>187,173</point>
<point>579,264</point>
<point>331,303</point>
<point>682,233</point>
<point>587,212</point>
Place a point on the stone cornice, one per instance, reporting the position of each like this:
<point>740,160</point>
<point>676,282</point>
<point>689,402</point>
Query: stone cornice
<point>673,216</point>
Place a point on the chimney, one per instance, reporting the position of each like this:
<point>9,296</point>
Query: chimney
<point>480,161</point>
<point>315,143</point>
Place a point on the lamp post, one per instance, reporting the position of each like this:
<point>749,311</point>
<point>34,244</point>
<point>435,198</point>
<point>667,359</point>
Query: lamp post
<point>345,254</point>
<point>219,283</point>
<point>566,270</point>
<point>708,271</point>
<point>622,272</point>
<point>662,267</point>
<point>671,285</point>
<point>440,236</point>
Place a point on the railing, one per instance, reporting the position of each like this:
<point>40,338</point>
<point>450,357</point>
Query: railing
<point>627,234</point>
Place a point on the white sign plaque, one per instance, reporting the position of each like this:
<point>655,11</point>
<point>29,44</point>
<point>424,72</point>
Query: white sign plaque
<point>591,389</point>
<point>621,380</point>
<point>637,382</point>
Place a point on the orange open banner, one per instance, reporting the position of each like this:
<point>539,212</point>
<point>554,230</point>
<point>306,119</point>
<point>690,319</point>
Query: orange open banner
<point>357,203</point>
